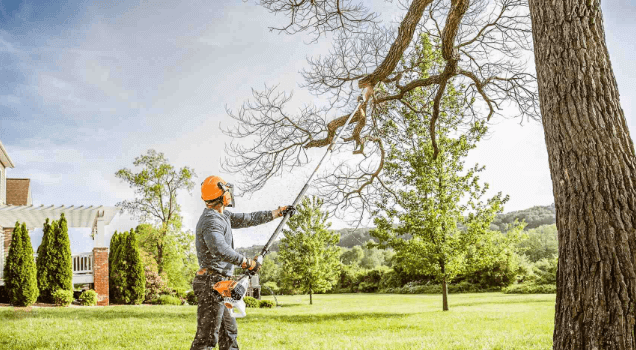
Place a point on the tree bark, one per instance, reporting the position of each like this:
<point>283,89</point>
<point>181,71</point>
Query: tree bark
<point>444,295</point>
<point>159,258</point>
<point>311,300</point>
<point>592,163</point>
<point>444,289</point>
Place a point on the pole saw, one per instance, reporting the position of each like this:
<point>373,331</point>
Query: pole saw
<point>232,292</point>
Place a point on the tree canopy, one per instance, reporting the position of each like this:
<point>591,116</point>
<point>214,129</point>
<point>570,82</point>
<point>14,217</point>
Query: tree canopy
<point>308,252</point>
<point>156,187</point>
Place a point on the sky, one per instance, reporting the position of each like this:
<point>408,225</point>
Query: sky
<point>88,86</point>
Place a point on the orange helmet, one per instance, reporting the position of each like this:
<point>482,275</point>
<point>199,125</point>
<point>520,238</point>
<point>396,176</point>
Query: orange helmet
<point>214,187</point>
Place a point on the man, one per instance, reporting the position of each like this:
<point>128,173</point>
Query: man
<point>216,255</point>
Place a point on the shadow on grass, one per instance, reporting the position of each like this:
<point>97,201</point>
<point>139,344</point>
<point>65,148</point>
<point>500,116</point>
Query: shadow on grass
<point>312,319</point>
<point>95,313</point>
<point>498,301</point>
<point>149,314</point>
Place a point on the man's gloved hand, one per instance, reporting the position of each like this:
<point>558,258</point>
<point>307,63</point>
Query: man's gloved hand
<point>281,211</point>
<point>251,264</point>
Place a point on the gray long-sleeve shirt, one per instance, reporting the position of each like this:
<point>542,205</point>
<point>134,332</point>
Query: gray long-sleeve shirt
<point>214,239</point>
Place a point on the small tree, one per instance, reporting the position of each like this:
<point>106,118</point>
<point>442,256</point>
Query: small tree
<point>127,272</point>
<point>117,269</point>
<point>114,243</point>
<point>55,265</point>
<point>20,275</point>
<point>308,251</point>
<point>41,264</point>
<point>423,220</point>
<point>135,277</point>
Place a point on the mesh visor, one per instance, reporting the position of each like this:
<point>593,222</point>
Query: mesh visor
<point>228,188</point>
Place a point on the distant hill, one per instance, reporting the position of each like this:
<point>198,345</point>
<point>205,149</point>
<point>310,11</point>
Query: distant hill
<point>534,217</point>
<point>350,237</point>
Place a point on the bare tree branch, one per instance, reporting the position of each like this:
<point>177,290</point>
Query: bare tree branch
<point>476,46</point>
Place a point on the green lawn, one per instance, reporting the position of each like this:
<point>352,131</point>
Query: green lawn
<point>345,321</point>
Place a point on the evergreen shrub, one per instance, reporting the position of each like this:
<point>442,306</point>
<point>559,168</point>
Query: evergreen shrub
<point>250,302</point>
<point>63,297</point>
<point>527,288</point>
<point>192,298</point>
<point>167,300</point>
<point>266,304</point>
<point>54,263</point>
<point>88,298</point>
<point>127,275</point>
<point>20,275</point>
<point>4,295</point>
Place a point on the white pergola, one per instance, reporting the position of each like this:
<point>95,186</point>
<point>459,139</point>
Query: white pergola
<point>34,217</point>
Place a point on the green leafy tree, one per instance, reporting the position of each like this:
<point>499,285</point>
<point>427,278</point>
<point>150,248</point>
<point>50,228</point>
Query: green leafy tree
<point>540,243</point>
<point>179,259</point>
<point>56,261</point>
<point>372,257</point>
<point>308,252</point>
<point>20,275</point>
<point>156,187</point>
<point>41,264</point>
<point>352,256</point>
<point>271,269</point>
<point>436,212</point>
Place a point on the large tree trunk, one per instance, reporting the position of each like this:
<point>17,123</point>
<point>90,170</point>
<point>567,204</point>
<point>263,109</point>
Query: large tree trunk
<point>592,164</point>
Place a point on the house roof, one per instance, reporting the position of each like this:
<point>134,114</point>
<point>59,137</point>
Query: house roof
<point>18,191</point>
<point>4,158</point>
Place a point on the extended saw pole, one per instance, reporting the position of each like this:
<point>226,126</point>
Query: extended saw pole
<point>361,100</point>
<point>235,290</point>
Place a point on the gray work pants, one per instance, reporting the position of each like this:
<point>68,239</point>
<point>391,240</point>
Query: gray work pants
<point>214,323</point>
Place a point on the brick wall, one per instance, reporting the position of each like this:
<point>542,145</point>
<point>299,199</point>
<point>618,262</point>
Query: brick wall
<point>8,233</point>
<point>100,275</point>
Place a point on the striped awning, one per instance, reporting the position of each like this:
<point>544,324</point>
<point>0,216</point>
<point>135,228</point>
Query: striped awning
<point>34,217</point>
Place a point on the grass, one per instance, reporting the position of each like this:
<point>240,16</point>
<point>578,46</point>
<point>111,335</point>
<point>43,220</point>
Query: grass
<point>344,321</point>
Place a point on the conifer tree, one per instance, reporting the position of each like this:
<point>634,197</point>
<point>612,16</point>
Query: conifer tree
<point>118,271</point>
<point>20,272</point>
<point>57,260</point>
<point>135,277</point>
<point>41,263</point>
<point>114,240</point>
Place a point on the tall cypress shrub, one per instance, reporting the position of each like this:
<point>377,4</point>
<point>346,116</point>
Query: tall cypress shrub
<point>42,264</point>
<point>114,241</point>
<point>119,269</point>
<point>20,272</point>
<point>135,276</point>
<point>58,263</point>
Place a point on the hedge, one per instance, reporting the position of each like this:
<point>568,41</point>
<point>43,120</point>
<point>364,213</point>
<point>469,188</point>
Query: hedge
<point>527,288</point>
<point>63,297</point>
<point>88,298</point>
<point>167,300</point>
